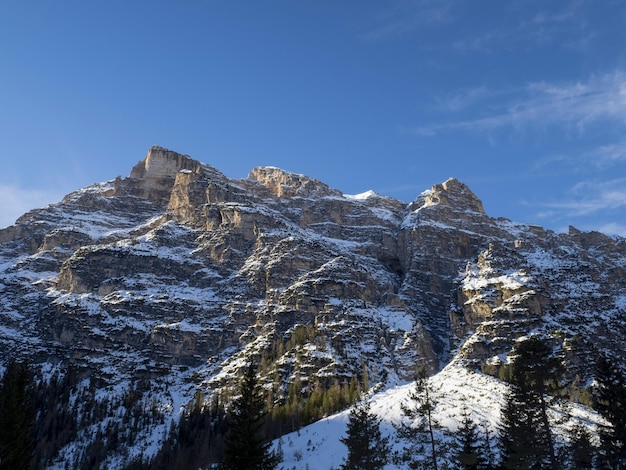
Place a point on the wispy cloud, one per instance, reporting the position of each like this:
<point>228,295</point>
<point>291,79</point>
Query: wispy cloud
<point>507,25</point>
<point>597,159</point>
<point>563,15</point>
<point>589,198</point>
<point>566,24</point>
<point>607,155</point>
<point>406,16</point>
<point>460,100</point>
<point>528,25</point>
<point>541,104</point>
<point>15,202</point>
<point>601,195</point>
<point>612,229</point>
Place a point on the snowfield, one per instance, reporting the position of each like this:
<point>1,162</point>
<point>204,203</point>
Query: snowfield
<point>318,445</point>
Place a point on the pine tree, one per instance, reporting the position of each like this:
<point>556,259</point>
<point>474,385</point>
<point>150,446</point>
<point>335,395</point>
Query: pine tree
<point>610,402</point>
<point>245,444</point>
<point>469,455</point>
<point>518,423</point>
<point>487,450</point>
<point>57,425</point>
<point>538,368</point>
<point>367,449</point>
<point>580,450</point>
<point>420,430</point>
<point>526,439</point>
<point>365,376</point>
<point>17,417</point>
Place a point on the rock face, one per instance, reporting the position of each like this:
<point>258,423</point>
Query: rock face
<point>156,174</point>
<point>179,274</point>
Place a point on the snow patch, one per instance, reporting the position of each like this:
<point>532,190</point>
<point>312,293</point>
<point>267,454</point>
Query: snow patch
<point>318,445</point>
<point>362,196</point>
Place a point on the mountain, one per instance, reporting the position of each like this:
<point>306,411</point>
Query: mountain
<point>156,289</point>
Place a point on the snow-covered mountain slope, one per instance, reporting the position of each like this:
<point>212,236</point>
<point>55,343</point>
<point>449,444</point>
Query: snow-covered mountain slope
<point>175,276</point>
<point>455,389</point>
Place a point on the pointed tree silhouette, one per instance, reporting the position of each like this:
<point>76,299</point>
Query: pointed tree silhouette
<point>526,438</point>
<point>17,417</point>
<point>420,428</point>
<point>246,447</point>
<point>610,402</point>
<point>469,455</point>
<point>367,448</point>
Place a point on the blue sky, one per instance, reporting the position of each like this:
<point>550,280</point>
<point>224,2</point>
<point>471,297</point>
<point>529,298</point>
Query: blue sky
<point>524,101</point>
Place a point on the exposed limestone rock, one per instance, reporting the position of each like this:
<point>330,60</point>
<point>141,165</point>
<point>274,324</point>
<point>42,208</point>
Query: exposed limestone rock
<point>188,197</point>
<point>66,239</point>
<point>283,184</point>
<point>451,193</point>
<point>161,164</point>
<point>155,175</point>
<point>179,265</point>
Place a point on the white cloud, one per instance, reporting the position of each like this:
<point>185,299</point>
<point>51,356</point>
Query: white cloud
<point>604,195</point>
<point>597,159</point>
<point>612,229</point>
<point>407,16</point>
<point>506,27</point>
<point>607,155</point>
<point>15,202</point>
<point>567,26</point>
<point>511,26</point>
<point>588,200</point>
<point>573,105</point>
<point>461,100</point>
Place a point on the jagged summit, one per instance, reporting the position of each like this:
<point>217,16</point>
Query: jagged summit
<point>285,184</point>
<point>156,173</point>
<point>452,193</point>
<point>155,176</point>
<point>161,163</point>
<point>160,167</point>
<point>180,275</point>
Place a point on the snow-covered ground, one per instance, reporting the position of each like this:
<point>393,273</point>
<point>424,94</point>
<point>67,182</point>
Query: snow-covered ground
<point>318,445</point>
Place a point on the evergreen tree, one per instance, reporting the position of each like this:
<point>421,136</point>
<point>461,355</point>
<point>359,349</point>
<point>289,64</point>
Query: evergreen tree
<point>487,450</point>
<point>469,455</point>
<point>195,443</point>
<point>518,423</point>
<point>580,450</point>
<point>538,368</point>
<point>367,449</point>
<point>17,417</point>
<point>57,424</point>
<point>245,444</point>
<point>526,439</point>
<point>420,430</point>
<point>610,402</point>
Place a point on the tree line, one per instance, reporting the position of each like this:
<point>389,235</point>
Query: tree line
<point>525,438</point>
<point>40,415</point>
<point>234,432</point>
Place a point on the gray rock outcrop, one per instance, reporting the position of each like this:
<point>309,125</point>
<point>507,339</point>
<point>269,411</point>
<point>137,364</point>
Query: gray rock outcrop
<point>178,267</point>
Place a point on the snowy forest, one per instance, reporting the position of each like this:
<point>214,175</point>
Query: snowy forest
<point>39,415</point>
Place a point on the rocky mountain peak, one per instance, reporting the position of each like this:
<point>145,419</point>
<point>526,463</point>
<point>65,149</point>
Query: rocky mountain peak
<point>284,184</point>
<point>169,280</point>
<point>163,163</point>
<point>155,174</point>
<point>452,193</point>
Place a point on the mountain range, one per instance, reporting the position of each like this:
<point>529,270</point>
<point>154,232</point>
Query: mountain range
<point>176,276</point>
